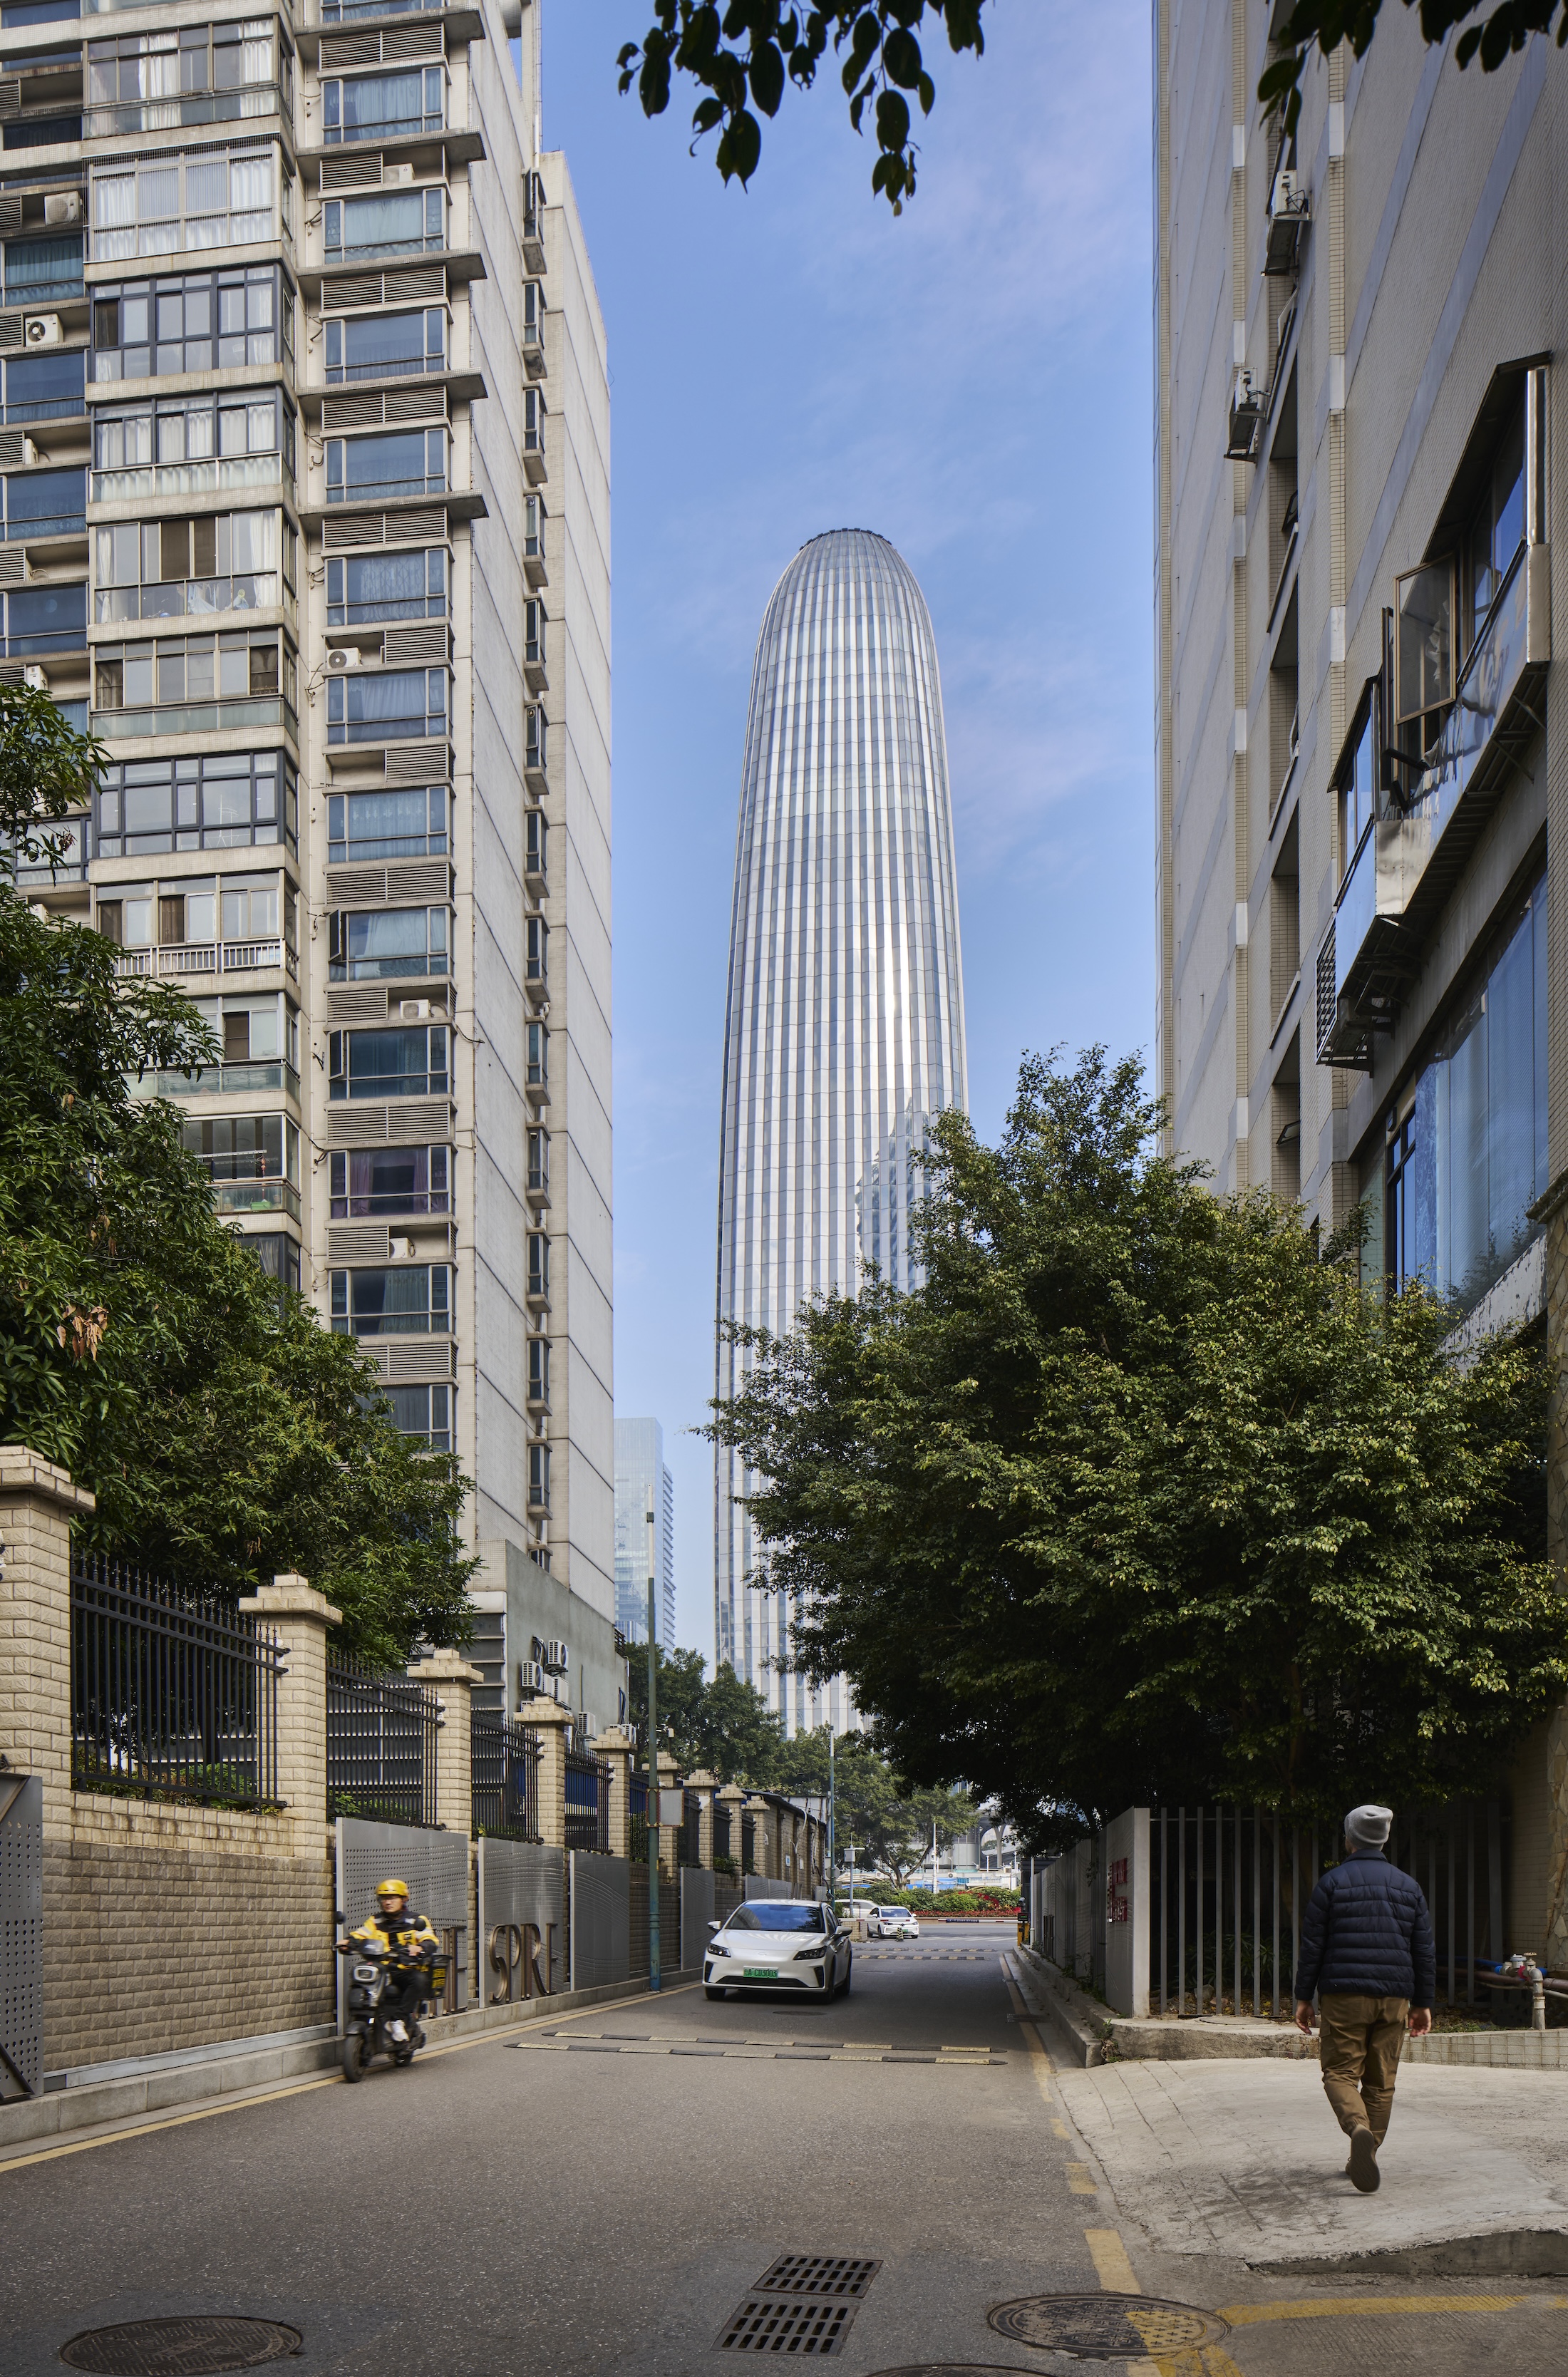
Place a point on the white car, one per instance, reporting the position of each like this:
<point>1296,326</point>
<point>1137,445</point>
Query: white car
<point>779,1943</point>
<point>892,1923</point>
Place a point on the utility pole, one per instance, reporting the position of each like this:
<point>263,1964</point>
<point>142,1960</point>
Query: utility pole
<point>832,1807</point>
<point>652,1821</point>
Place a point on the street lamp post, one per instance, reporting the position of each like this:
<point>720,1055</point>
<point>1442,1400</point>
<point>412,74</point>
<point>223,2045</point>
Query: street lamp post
<point>653,1814</point>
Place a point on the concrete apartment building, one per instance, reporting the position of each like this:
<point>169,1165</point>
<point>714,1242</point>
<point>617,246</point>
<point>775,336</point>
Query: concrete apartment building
<point>1358,421</point>
<point>646,1533</point>
<point>306,461</point>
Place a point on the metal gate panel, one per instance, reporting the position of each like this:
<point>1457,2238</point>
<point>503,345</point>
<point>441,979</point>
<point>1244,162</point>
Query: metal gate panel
<point>522,1890</point>
<point>601,1920</point>
<point>434,1864</point>
<point>22,1935</point>
<point>696,1914</point>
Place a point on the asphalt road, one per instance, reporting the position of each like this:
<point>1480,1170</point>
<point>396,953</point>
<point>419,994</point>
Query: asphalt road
<point>600,2195</point>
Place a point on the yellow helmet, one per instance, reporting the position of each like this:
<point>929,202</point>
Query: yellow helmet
<point>391,1889</point>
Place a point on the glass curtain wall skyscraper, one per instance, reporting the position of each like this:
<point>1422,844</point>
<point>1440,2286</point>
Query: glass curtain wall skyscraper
<point>646,1533</point>
<point>844,1028</point>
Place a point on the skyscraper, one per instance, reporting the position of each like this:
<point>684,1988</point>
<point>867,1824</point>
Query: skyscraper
<point>845,1029</point>
<point>646,1533</point>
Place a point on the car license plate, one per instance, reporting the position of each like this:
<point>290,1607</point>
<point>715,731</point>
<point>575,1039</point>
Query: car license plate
<point>760,1973</point>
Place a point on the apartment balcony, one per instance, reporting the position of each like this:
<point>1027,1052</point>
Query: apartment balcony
<point>256,1197</point>
<point>117,119</point>
<point>221,1080</point>
<point>1410,860</point>
<point>194,598</point>
<point>228,474</point>
<point>538,1192</point>
<point>179,720</point>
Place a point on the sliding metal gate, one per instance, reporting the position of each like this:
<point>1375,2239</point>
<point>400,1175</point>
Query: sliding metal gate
<point>22,1935</point>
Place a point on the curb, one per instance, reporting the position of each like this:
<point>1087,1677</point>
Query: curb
<point>1078,2023</point>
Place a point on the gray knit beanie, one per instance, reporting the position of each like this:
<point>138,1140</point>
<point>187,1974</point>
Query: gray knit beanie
<point>1368,1827</point>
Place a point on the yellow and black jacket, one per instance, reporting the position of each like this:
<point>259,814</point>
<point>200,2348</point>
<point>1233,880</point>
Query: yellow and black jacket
<point>407,1935</point>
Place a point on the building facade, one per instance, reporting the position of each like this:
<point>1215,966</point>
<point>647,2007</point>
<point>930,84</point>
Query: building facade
<point>305,461</point>
<point>845,1026</point>
<point>1362,960</point>
<point>646,1533</point>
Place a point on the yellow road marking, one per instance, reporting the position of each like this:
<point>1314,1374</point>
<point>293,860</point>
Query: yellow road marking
<point>1079,2181</point>
<point>1113,2267</point>
<point>1060,2129</point>
<point>1353,2307</point>
<point>298,2088</point>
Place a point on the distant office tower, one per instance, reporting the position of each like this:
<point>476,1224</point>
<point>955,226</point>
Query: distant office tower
<point>645,1531</point>
<point>844,1030</point>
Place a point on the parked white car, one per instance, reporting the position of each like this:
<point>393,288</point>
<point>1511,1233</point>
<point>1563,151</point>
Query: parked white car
<point>892,1923</point>
<point>779,1943</point>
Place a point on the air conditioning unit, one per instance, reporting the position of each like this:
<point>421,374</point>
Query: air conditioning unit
<point>555,1659</point>
<point>33,677</point>
<point>1289,195</point>
<point>413,1011</point>
<point>29,452</point>
<point>1288,209</point>
<point>397,174</point>
<point>41,331</point>
<point>1246,413</point>
<point>63,206</point>
<point>400,1249</point>
<point>588,1725</point>
<point>529,1678</point>
<point>343,656</point>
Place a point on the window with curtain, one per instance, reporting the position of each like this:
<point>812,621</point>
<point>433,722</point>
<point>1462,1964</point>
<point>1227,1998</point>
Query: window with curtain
<point>362,826</point>
<point>202,199</point>
<point>37,269</point>
<point>400,222</point>
<point>382,705</point>
<point>380,107</point>
<point>386,586</point>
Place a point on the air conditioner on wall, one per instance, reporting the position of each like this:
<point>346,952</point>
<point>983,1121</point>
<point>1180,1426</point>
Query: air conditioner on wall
<point>413,1011</point>
<point>63,206</point>
<point>400,1249</point>
<point>397,174</point>
<point>41,331</point>
<point>33,677</point>
<point>343,656</point>
<point>556,1658</point>
<point>529,1678</point>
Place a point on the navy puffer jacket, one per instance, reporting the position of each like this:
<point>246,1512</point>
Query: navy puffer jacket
<point>1367,1933</point>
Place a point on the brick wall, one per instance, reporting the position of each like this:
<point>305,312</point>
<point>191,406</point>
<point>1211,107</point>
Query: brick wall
<point>176,1927</point>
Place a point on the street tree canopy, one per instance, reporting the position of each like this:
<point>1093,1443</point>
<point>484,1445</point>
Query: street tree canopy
<point>226,1435</point>
<point>743,56</point>
<point>1140,1500</point>
<point>889,1823</point>
<point>724,1725</point>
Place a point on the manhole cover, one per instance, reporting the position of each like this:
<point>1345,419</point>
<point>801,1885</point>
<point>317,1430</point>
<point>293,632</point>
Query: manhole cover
<point>818,2274</point>
<point>769,2323</point>
<point>180,2348</point>
<point>1106,2327</point>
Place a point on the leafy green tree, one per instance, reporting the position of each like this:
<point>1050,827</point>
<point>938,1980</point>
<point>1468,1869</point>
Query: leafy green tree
<point>226,1435</point>
<point>681,1693</point>
<point>744,57</point>
<point>724,1725</point>
<point>1137,1499</point>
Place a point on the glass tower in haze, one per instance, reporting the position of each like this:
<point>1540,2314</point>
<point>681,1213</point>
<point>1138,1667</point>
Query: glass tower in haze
<point>844,1028</point>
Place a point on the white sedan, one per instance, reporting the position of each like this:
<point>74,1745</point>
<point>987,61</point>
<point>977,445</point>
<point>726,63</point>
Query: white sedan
<point>894,1923</point>
<point>779,1943</point>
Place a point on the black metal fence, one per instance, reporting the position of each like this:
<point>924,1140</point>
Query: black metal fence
<point>691,1851</point>
<point>506,1778</point>
<point>380,1744</point>
<point>748,1844</point>
<point>588,1799</point>
<point>721,1830</point>
<point>171,1691</point>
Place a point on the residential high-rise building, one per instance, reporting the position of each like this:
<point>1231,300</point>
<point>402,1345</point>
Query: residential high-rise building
<point>646,1533</point>
<point>1360,788</point>
<point>845,1029</point>
<point>306,468</point>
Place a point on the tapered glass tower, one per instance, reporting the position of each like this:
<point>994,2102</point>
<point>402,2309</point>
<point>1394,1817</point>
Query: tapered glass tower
<point>844,1028</point>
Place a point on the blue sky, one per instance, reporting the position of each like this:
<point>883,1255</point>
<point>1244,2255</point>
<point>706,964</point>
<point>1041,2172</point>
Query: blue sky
<point>973,382</point>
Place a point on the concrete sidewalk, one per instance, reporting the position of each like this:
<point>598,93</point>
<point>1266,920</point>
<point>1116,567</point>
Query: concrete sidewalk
<point>1245,2160</point>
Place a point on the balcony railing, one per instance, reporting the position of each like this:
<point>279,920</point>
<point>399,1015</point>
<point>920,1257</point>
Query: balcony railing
<point>256,1197</point>
<point>1408,860</point>
<point>221,1080</point>
<point>386,491</point>
<point>209,957</point>
<point>366,251</point>
<point>353,12</point>
<point>115,119</point>
<point>196,717</point>
<point>189,598</point>
<point>47,407</point>
<point>47,524</point>
<point>237,470</point>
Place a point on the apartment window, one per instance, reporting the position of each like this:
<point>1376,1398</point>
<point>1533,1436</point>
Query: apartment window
<point>221,681</point>
<point>383,106</point>
<point>195,920</point>
<point>539,1370</point>
<point>47,386</point>
<point>533,313</point>
<point>423,1413</point>
<point>193,322</point>
<point>534,621</point>
<point>535,843</point>
<point>407,1062</point>
<point>386,704</point>
<point>533,412</point>
<point>533,519</point>
<point>407,1300</point>
<point>45,503</point>
<point>43,271</point>
<point>252,1161</point>
<point>537,1040</point>
<point>393,222</point>
<point>366,1182</point>
<point>1356,784</point>
<point>380,469</point>
<point>126,918</point>
<point>177,201</point>
<point>1285,916</point>
<point>539,1162</point>
<point>278,1255</point>
<point>536,728</point>
<point>363,587</point>
<point>387,825</point>
<point>169,568</point>
<point>259,1037</point>
<point>1467,1157</point>
<point>538,1476</point>
<point>1285,700</point>
<point>46,618</point>
<point>538,1263</point>
<point>189,445</point>
<point>1496,527</point>
<point>537,962</point>
<point>195,74</point>
<point>385,346</point>
<point>225,800</point>
<point>382,944</point>
<point>1285,1124</point>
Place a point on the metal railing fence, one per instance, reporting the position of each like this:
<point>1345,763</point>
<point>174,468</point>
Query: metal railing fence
<point>721,1830</point>
<point>588,1799</point>
<point>691,1851</point>
<point>171,1691</point>
<point>380,1744</point>
<point>505,1765</point>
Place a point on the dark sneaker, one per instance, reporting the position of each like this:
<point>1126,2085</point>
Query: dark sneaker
<point>1363,2164</point>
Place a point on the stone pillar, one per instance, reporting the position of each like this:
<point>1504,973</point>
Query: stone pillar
<point>551,1722</point>
<point>733,1800</point>
<point>704,1785</point>
<point>618,1750</point>
<point>452,1678</point>
<point>669,1835</point>
<point>299,1617</point>
<point>757,1809</point>
<point>37,1502</point>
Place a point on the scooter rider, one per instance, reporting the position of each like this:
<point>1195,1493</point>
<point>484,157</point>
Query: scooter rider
<point>395,1931</point>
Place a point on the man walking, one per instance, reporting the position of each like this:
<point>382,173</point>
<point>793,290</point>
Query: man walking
<point>1367,1956</point>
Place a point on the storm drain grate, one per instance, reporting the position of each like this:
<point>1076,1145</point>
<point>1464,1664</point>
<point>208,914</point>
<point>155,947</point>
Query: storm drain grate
<point>1106,2327</point>
<point>818,2274</point>
<point>192,2346</point>
<point>771,2324</point>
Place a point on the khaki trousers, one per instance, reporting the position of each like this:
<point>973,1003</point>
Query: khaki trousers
<point>1359,2051</point>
